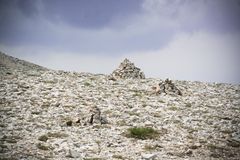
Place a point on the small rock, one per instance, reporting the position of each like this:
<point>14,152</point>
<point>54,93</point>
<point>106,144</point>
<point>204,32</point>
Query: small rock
<point>43,146</point>
<point>195,146</point>
<point>149,156</point>
<point>73,154</point>
<point>233,143</point>
<point>43,138</point>
<point>112,78</point>
<point>148,123</point>
<point>78,121</point>
<point>103,120</point>
<point>189,152</point>
<point>69,123</point>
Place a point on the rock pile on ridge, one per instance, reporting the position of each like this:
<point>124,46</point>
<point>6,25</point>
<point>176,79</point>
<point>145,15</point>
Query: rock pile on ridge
<point>167,87</point>
<point>127,70</point>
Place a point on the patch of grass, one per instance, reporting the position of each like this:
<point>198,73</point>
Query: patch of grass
<point>161,101</point>
<point>93,78</point>
<point>133,113</point>
<point>173,108</point>
<point>188,105</point>
<point>87,84</point>
<point>142,133</point>
<point>118,157</point>
<point>137,95</point>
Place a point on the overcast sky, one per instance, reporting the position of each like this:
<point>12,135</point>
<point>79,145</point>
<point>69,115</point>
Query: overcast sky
<point>180,39</point>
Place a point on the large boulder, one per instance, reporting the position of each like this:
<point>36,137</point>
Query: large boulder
<point>127,70</point>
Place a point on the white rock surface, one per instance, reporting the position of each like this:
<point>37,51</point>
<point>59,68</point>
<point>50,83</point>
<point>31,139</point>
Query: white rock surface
<point>203,123</point>
<point>149,156</point>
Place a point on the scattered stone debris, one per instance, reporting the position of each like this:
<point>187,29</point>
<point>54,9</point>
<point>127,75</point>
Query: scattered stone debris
<point>127,70</point>
<point>203,123</point>
<point>167,87</point>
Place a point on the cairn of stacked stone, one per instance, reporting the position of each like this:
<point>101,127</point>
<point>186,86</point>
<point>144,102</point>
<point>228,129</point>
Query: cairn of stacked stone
<point>167,87</point>
<point>127,70</point>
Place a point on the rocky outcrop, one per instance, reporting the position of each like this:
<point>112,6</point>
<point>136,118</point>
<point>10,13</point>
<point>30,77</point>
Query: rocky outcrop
<point>127,70</point>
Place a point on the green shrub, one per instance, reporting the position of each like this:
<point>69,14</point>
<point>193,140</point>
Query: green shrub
<point>118,157</point>
<point>142,133</point>
<point>87,84</point>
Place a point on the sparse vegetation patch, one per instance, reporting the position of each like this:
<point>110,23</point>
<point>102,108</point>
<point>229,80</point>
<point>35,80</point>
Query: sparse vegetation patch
<point>142,133</point>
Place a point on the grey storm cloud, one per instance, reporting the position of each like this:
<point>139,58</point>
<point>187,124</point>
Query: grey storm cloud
<point>89,13</point>
<point>85,34</point>
<point>38,22</point>
<point>79,13</point>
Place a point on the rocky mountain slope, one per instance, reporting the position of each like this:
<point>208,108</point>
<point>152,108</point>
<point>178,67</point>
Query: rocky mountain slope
<point>47,114</point>
<point>15,63</point>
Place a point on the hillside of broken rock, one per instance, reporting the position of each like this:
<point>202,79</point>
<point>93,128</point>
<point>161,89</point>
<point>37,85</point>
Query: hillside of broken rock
<point>44,114</point>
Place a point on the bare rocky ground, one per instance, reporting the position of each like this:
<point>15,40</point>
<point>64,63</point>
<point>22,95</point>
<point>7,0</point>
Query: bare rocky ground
<point>44,114</point>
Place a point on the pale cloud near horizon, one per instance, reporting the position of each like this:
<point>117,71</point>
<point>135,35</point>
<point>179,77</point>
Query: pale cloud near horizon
<point>197,56</point>
<point>179,39</point>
